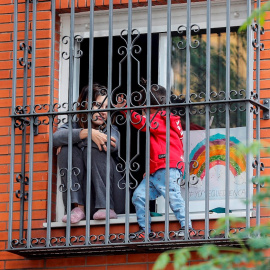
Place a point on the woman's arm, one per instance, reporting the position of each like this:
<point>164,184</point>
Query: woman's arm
<point>60,137</point>
<point>99,138</point>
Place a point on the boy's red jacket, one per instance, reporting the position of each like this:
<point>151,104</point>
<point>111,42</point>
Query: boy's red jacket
<point>158,153</point>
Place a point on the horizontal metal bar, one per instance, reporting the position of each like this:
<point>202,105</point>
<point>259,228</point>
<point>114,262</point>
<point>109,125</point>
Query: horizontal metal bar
<point>172,105</point>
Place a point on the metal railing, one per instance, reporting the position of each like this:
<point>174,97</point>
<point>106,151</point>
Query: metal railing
<point>31,118</point>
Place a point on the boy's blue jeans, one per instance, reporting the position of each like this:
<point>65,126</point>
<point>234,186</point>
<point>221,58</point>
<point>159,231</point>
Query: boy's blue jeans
<point>157,188</point>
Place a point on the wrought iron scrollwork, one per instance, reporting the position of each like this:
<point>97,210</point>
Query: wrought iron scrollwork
<point>262,167</point>
<point>197,97</point>
<point>181,45</point>
<point>24,180</point>
<point>77,239</point>
<point>76,186</point>
<point>197,109</point>
<point>221,95</point>
<point>254,109</point>
<point>255,165</point>
<point>241,94</point>
<point>22,122</point>
<point>234,107</point>
<point>24,47</point>
<point>18,243</point>
<point>255,44</point>
<point>254,95</point>
<point>78,53</point>
<point>38,242</point>
<point>58,241</point>
<point>119,237</point>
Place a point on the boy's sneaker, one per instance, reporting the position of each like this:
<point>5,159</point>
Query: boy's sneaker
<point>140,234</point>
<point>191,232</point>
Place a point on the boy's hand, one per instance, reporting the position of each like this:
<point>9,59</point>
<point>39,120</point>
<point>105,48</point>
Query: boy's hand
<point>121,101</point>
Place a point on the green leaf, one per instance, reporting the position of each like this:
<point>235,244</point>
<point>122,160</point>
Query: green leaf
<point>257,13</point>
<point>259,243</point>
<point>238,258</point>
<point>206,251</point>
<point>260,197</point>
<point>261,180</point>
<point>181,257</point>
<point>162,261</point>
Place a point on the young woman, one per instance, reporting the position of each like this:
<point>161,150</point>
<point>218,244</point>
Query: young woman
<point>98,160</point>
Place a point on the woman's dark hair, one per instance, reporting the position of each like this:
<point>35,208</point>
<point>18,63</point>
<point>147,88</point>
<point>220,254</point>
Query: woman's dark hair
<point>98,90</point>
<point>157,94</point>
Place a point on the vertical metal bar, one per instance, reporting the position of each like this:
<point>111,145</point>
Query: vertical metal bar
<point>50,165</point>
<point>238,113</point>
<point>14,87</point>
<point>25,77</point>
<point>249,88</point>
<point>258,126</point>
<point>207,120</point>
<point>129,48</point>
<point>108,169</point>
<point>168,87</point>
<point>148,89</point>
<point>32,106</point>
<point>70,103</point>
<point>89,137</point>
<point>187,149</point>
<point>228,65</point>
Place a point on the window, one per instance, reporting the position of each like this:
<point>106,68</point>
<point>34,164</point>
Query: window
<point>178,82</point>
<point>217,119</point>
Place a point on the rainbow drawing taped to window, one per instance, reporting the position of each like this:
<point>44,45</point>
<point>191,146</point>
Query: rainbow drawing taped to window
<point>217,152</point>
<point>217,165</point>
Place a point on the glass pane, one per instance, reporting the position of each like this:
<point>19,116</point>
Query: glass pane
<point>217,74</point>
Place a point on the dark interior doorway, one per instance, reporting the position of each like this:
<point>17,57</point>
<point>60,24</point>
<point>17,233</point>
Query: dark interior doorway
<point>138,66</point>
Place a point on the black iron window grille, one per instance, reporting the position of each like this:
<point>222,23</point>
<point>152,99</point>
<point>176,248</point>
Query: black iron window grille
<point>206,67</point>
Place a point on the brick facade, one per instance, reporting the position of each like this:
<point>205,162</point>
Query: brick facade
<point>8,260</point>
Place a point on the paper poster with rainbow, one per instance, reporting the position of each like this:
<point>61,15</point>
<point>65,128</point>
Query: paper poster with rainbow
<point>217,156</point>
<point>217,165</point>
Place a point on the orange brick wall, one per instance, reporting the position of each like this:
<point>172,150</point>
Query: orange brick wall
<point>9,260</point>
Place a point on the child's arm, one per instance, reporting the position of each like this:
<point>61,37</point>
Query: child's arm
<point>137,120</point>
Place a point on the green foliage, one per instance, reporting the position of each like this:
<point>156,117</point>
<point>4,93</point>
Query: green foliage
<point>259,14</point>
<point>181,257</point>
<point>207,251</point>
<point>252,241</point>
<point>251,149</point>
<point>162,261</point>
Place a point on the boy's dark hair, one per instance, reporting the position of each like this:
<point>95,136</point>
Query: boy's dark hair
<point>157,94</point>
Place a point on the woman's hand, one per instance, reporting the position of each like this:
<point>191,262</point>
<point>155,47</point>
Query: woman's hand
<point>99,138</point>
<point>58,150</point>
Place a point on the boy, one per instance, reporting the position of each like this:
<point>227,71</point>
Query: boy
<point>158,155</point>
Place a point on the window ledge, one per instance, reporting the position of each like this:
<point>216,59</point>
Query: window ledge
<point>133,219</point>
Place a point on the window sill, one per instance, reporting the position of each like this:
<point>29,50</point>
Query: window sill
<point>133,219</point>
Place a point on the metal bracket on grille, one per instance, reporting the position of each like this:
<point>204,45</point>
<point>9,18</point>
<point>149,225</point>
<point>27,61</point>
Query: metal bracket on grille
<point>266,109</point>
<point>22,122</point>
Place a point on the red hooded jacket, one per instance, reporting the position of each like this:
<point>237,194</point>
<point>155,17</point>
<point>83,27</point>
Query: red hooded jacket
<point>158,140</point>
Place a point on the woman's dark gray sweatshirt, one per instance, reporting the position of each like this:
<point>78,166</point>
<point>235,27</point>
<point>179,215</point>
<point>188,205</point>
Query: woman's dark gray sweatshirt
<point>60,137</point>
